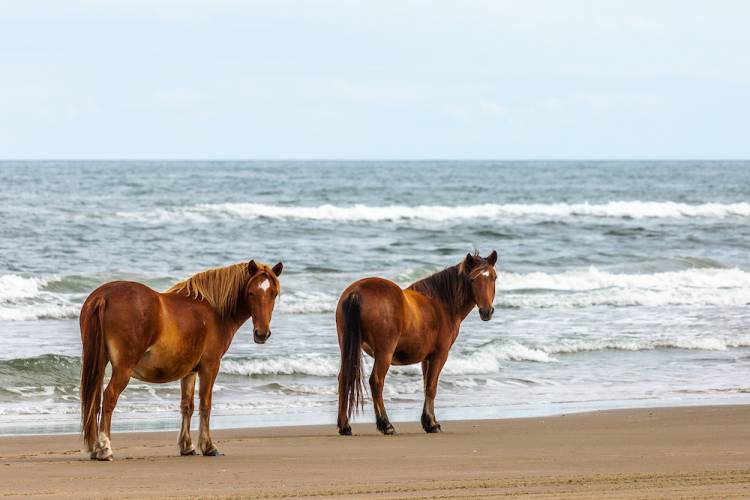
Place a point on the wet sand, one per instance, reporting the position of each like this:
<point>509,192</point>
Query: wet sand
<point>687,452</point>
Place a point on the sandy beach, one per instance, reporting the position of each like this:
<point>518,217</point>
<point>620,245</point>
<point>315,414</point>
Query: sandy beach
<point>644,453</point>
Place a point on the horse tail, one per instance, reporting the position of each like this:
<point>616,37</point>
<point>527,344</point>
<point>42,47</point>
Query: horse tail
<point>93,363</point>
<point>352,372</point>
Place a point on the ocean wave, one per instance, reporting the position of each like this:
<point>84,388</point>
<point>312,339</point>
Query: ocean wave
<point>299,302</point>
<point>32,376</point>
<point>34,312</point>
<point>14,288</point>
<point>717,343</point>
<point>593,278</point>
<point>582,288</point>
<point>486,360</point>
<point>32,298</point>
<point>25,298</point>
<point>315,365</point>
<point>203,213</point>
<point>593,287</point>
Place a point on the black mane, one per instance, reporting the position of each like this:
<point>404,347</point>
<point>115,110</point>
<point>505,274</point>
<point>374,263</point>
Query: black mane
<point>451,286</point>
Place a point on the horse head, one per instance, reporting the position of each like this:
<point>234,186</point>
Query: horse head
<point>261,291</point>
<point>482,276</point>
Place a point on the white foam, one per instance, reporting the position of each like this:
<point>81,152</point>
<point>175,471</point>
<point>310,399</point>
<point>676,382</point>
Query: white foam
<point>490,358</point>
<point>14,287</point>
<point>615,209</point>
<point>320,366</point>
<point>33,312</point>
<point>299,302</point>
<point>592,278</point>
<point>584,288</point>
<point>717,343</point>
<point>25,299</point>
<point>592,287</point>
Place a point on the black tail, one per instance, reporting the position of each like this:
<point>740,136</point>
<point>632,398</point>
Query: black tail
<point>93,362</point>
<point>352,372</point>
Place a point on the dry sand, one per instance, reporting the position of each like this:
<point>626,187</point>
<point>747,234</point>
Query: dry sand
<point>690,452</point>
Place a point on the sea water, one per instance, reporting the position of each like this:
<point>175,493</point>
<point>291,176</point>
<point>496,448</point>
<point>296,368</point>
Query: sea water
<point>619,284</point>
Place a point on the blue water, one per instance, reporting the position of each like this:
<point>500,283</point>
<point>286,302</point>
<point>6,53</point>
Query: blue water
<point>620,283</point>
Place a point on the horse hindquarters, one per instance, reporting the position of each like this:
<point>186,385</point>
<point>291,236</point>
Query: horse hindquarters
<point>108,334</point>
<point>93,362</point>
<point>370,317</point>
<point>351,373</point>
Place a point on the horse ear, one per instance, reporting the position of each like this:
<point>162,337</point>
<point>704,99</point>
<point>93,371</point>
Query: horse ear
<point>277,269</point>
<point>469,261</point>
<point>492,258</point>
<point>252,268</point>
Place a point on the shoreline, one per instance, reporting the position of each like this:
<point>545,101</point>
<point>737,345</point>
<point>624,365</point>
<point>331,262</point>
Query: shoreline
<point>646,452</point>
<point>124,425</point>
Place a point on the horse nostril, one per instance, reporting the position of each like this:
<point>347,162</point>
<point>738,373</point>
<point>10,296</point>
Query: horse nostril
<point>261,337</point>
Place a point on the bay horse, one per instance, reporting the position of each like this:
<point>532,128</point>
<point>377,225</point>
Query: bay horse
<point>162,337</point>
<point>404,327</point>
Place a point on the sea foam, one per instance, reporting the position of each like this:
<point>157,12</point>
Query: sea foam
<point>437,213</point>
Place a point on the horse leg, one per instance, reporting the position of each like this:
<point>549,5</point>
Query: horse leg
<point>117,383</point>
<point>187,405</point>
<point>207,378</point>
<point>343,419</point>
<point>377,381</point>
<point>431,372</point>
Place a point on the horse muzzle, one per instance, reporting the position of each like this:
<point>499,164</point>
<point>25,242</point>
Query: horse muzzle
<point>261,337</point>
<point>486,314</point>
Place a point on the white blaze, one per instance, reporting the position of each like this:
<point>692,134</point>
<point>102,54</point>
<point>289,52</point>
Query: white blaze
<point>264,285</point>
<point>486,273</point>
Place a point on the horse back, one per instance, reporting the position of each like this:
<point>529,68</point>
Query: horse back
<point>393,318</point>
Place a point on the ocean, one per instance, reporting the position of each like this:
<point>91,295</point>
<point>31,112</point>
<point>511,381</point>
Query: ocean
<point>620,284</point>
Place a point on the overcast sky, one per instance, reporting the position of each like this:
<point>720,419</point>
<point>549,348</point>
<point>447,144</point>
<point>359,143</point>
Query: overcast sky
<point>379,79</point>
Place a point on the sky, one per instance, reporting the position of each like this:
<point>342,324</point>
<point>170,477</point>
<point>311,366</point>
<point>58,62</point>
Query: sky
<point>404,79</point>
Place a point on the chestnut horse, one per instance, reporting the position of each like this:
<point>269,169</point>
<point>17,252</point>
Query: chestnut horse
<point>404,327</point>
<point>163,337</point>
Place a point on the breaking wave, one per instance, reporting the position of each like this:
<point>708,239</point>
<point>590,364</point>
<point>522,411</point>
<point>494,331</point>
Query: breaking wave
<point>593,287</point>
<point>437,213</point>
<point>34,298</point>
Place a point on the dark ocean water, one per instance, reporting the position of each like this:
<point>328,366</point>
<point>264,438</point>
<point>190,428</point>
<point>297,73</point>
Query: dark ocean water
<point>620,283</point>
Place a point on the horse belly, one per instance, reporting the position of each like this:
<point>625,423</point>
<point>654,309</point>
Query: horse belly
<point>163,362</point>
<point>408,356</point>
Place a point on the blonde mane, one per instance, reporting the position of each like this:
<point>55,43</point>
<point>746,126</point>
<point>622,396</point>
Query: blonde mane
<point>220,287</point>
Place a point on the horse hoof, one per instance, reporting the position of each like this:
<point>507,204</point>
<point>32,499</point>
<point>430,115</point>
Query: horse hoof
<point>104,456</point>
<point>189,453</point>
<point>389,431</point>
<point>346,431</point>
<point>213,453</point>
<point>434,429</point>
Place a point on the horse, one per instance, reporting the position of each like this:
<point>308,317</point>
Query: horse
<point>163,337</point>
<point>404,327</point>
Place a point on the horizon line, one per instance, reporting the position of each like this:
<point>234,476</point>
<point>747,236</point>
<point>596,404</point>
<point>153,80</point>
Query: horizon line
<point>506,160</point>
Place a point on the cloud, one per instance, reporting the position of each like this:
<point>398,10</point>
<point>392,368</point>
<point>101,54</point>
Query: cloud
<point>380,91</point>
<point>493,108</point>
<point>178,97</point>
<point>601,103</point>
<point>484,108</point>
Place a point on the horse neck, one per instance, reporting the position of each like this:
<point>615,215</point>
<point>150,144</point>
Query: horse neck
<point>461,308</point>
<point>238,318</point>
<point>465,309</point>
<point>459,303</point>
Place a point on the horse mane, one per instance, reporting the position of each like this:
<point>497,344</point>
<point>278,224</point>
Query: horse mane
<point>451,286</point>
<point>220,287</point>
